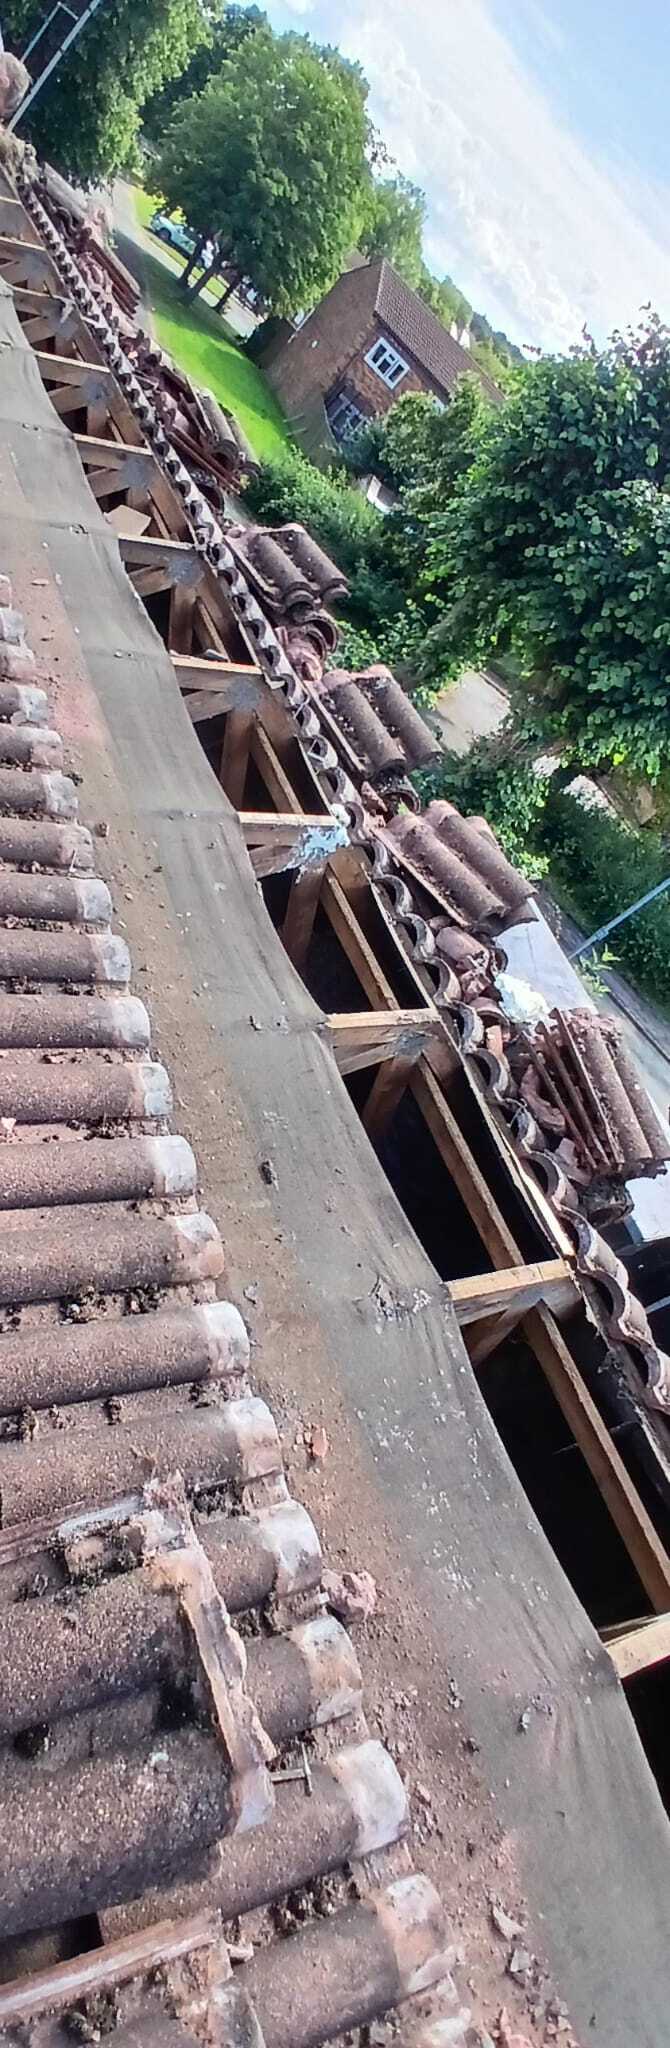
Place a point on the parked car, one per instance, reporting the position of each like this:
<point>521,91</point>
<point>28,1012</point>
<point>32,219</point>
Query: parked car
<point>175,232</point>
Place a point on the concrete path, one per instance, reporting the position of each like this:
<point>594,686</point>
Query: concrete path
<point>470,710</point>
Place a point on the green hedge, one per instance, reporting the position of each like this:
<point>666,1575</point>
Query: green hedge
<point>594,865</point>
<point>598,867</point>
<point>340,518</point>
<point>496,781</point>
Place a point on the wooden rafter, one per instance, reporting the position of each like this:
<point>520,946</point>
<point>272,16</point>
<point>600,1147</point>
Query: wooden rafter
<point>15,222</point>
<point>520,1287</point>
<point>212,687</point>
<point>136,472</point>
<point>25,263</point>
<point>44,317</point>
<point>169,561</point>
<point>364,1038</point>
<point>640,1646</point>
<point>281,841</point>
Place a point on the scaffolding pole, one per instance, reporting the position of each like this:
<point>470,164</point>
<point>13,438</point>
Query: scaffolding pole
<point>78,23</point>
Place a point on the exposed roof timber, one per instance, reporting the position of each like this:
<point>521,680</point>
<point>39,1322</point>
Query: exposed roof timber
<point>280,670</point>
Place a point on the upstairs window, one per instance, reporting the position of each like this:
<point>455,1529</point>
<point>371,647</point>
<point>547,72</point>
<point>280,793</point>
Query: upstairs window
<point>383,358</point>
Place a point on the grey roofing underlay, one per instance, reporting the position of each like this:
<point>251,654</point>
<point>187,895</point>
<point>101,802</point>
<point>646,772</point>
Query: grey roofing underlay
<point>98,1823</point>
<point>591,1838</point>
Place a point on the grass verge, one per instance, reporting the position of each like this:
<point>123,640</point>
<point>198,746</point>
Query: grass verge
<point>197,338</point>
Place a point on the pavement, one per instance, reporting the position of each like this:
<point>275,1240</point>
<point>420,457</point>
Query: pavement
<point>471,709</point>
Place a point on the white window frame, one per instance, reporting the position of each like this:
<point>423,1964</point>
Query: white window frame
<point>386,362</point>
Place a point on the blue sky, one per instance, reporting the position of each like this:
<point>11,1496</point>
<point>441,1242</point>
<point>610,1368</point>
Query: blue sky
<point>540,135</point>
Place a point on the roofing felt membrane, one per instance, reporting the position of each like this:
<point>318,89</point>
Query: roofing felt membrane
<point>574,1794</point>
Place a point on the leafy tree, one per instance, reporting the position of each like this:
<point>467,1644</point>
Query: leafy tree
<point>444,298</point>
<point>226,30</point>
<point>271,159</point>
<point>393,225</point>
<point>495,339</point>
<point>86,120</point>
<point>397,445</point>
<point>420,447</point>
<point>555,548</point>
<point>495,364</point>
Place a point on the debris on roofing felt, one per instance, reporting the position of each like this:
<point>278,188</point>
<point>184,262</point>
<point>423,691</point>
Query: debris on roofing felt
<point>208,437</point>
<point>522,1003</point>
<point>578,1061</point>
<point>87,232</point>
<point>181,1983</point>
<point>293,578</point>
<point>163,1722</point>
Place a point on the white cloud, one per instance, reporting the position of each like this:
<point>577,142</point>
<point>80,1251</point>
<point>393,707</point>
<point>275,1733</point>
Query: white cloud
<point>541,25</point>
<point>542,236</point>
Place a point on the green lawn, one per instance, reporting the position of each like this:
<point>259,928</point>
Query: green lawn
<point>201,345</point>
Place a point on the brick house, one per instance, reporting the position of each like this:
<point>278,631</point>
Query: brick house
<point>369,340</point>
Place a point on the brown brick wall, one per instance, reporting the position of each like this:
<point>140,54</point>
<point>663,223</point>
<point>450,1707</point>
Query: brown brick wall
<point>318,353</point>
<point>328,351</point>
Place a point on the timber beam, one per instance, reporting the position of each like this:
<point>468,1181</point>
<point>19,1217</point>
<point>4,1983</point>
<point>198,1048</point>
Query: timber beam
<point>619,1492</point>
<point>517,1288</point>
<point>365,1038</point>
<point>286,840</point>
<point>210,688</point>
<point>115,465</point>
<point>638,1646</point>
<point>15,221</point>
<point>158,564</point>
<point>28,263</point>
<point>124,467</point>
<point>44,317</point>
<point>75,386</point>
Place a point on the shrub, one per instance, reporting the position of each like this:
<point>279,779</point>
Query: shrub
<point>495,780</point>
<point>289,487</point>
<point>599,866</point>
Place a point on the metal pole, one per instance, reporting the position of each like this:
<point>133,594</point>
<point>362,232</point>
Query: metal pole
<point>60,8</point>
<point>76,29</point>
<point>603,930</point>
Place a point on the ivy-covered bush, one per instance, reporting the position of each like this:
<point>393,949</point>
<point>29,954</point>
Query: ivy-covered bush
<point>495,780</point>
<point>598,866</point>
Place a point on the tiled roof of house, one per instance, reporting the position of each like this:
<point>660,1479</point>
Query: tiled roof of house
<point>412,323</point>
<point>110,1316</point>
